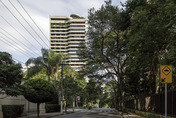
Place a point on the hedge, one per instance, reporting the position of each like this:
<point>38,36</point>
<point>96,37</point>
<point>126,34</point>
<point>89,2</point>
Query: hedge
<point>52,108</point>
<point>12,111</point>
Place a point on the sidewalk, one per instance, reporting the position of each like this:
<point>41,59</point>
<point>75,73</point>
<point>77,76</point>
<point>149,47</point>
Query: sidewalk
<point>45,115</point>
<point>132,116</point>
<point>42,115</point>
<point>48,115</point>
<point>129,115</point>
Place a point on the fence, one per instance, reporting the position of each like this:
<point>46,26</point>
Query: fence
<point>154,103</point>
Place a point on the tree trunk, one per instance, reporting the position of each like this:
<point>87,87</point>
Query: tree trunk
<point>38,109</point>
<point>76,103</point>
<point>65,106</point>
<point>56,74</point>
<point>157,80</point>
<point>73,104</point>
<point>120,94</point>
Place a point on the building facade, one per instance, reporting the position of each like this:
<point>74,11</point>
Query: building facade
<point>66,35</point>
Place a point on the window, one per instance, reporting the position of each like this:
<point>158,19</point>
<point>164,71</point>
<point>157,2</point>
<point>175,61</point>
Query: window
<point>74,43</point>
<point>77,25</point>
<point>77,30</point>
<point>75,58</point>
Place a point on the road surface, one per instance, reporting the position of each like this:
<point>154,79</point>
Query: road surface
<point>94,113</point>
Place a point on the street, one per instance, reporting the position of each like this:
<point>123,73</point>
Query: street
<point>94,113</point>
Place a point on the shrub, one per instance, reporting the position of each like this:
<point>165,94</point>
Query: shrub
<point>12,111</point>
<point>52,108</point>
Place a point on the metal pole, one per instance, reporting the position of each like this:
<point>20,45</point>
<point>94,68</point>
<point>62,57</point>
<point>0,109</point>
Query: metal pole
<point>165,100</point>
<point>61,84</point>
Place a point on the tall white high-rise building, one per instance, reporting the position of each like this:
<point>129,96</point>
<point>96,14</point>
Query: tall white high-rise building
<point>66,34</point>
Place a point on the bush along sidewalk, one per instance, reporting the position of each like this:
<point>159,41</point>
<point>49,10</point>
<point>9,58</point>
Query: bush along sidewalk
<point>147,114</point>
<point>12,111</point>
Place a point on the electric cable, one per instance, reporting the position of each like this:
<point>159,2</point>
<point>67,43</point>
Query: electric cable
<point>12,46</point>
<point>16,39</point>
<point>32,20</point>
<point>21,23</point>
<point>16,42</point>
<point>27,23</point>
<point>18,60</point>
<point>20,48</point>
<point>20,34</point>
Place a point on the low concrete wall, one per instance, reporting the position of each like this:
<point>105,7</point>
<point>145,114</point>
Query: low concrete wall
<point>20,100</point>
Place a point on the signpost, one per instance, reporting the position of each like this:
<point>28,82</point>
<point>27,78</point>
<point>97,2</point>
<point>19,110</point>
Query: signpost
<point>166,77</point>
<point>78,98</point>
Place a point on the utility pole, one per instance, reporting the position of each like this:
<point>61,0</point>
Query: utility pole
<point>61,88</point>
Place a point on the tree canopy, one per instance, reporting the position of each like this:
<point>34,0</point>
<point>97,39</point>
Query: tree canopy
<point>38,91</point>
<point>10,75</point>
<point>127,45</point>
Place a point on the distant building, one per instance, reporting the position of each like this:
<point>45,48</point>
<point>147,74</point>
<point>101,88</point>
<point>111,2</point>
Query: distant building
<point>66,34</point>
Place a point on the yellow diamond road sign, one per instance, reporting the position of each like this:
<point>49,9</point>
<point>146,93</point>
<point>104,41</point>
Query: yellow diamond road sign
<point>166,74</point>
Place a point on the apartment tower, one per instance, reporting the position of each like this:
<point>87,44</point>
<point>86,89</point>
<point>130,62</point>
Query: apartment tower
<point>66,34</point>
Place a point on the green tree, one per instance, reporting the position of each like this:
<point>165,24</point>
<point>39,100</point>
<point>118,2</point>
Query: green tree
<point>38,91</point>
<point>32,71</point>
<point>169,58</point>
<point>106,52</point>
<point>73,85</point>
<point>152,29</point>
<point>10,75</point>
<point>92,91</point>
<point>71,89</point>
<point>56,60</point>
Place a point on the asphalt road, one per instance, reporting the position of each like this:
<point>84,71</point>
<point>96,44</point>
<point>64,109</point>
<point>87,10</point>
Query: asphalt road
<point>94,113</point>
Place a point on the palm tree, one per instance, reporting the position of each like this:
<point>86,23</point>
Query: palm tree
<point>42,61</point>
<point>50,60</point>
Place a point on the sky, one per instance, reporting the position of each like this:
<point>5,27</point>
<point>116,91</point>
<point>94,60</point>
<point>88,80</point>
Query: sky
<point>22,38</point>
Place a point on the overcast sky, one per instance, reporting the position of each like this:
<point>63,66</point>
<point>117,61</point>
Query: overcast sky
<point>17,37</point>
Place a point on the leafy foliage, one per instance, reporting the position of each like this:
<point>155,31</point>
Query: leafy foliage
<point>12,111</point>
<point>32,71</point>
<point>129,44</point>
<point>149,36</point>
<point>52,108</point>
<point>92,91</point>
<point>10,75</point>
<point>39,91</point>
<point>41,61</point>
<point>106,53</point>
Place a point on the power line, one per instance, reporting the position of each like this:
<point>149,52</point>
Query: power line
<point>19,33</point>
<point>15,58</point>
<point>16,39</point>
<point>12,43</point>
<point>15,43</point>
<point>12,46</point>
<point>32,20</point>
<point>18,60</point>
<point>21,23</point>
<point>27,22</point>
